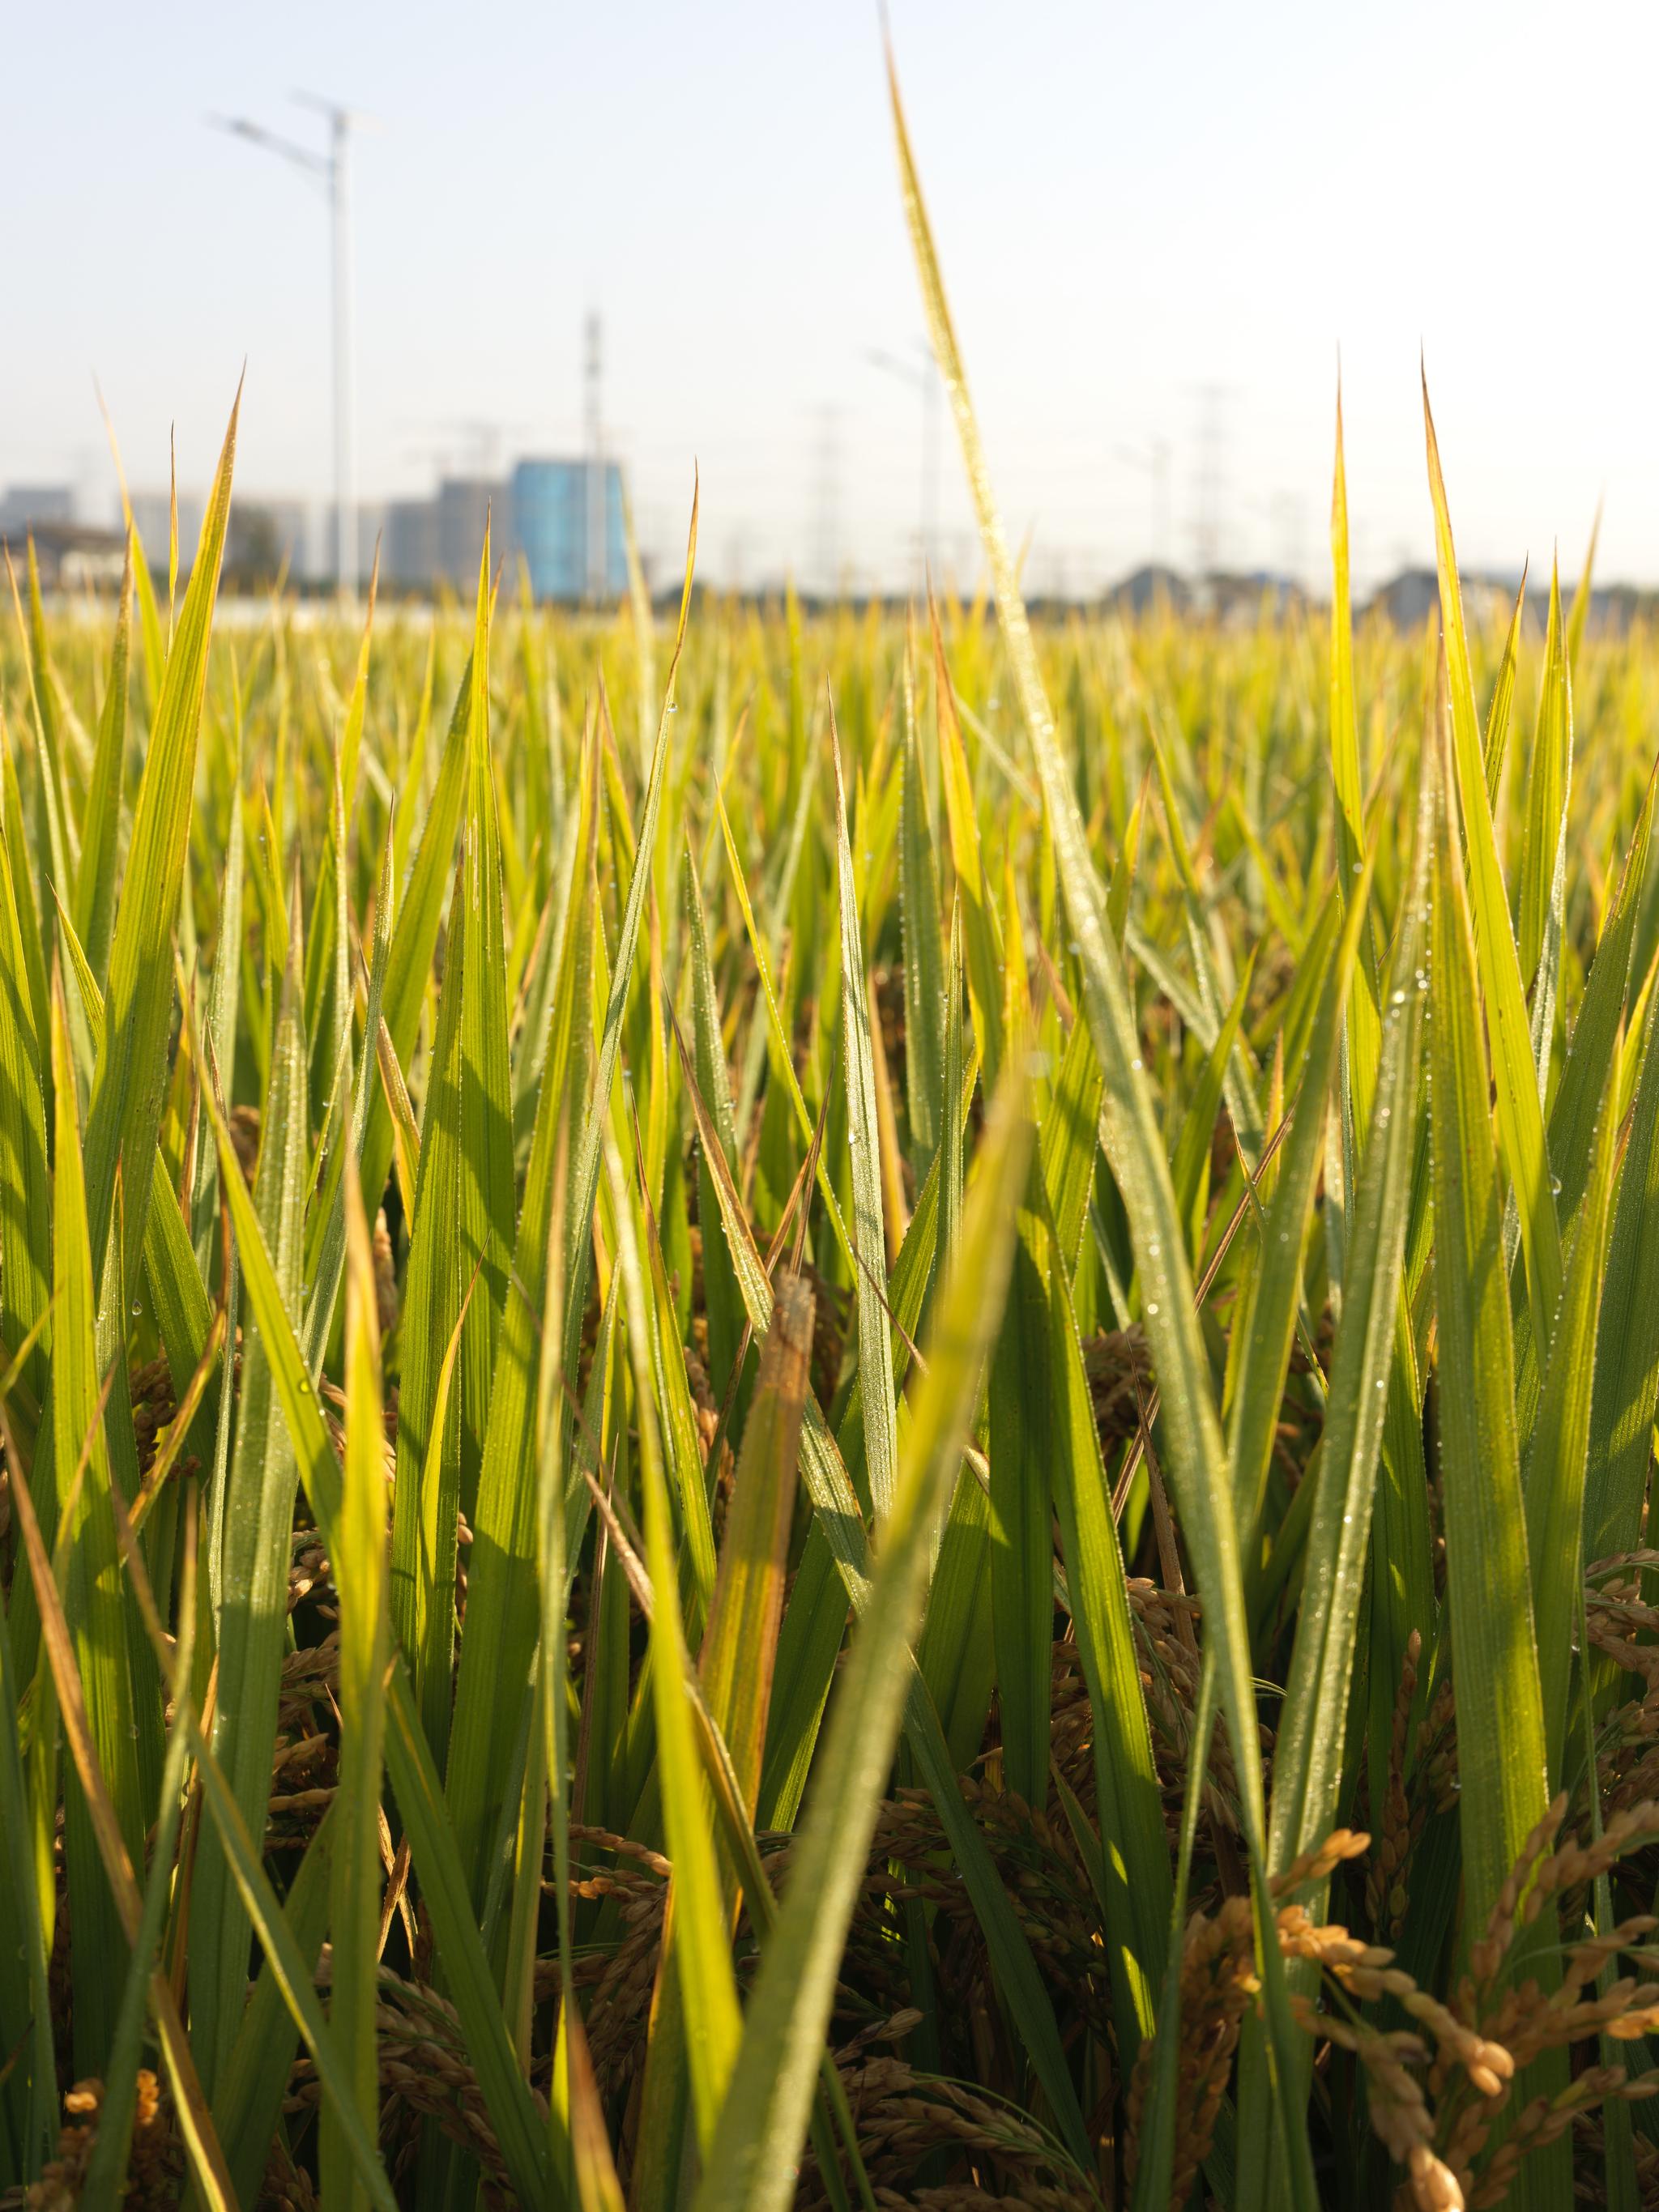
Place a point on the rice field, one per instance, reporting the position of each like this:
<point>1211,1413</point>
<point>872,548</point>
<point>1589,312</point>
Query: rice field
<point>827,1411</point>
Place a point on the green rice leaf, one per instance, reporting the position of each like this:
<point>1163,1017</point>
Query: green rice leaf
<point>836,1505</point>
<point>1502,1791</point>
<point>1134,1853</point>
<point>1271,1325</point>
<point>707,1986</point>
<point>1544,853</point>
<point>924,958</point>
<point>1520,1115</point>
<point>1556,1455</point>
<point>1135,1151</point>
<point>752,2159</point>
<point>869,1235</point>
<point>1626,1382</point>
<point>83,1533</point>
<point>100,822</point>
<point>257,1527</point>
<point>132,1073</point>
<point>360,1577</point>
<point>519,2130</point>
<point>504,1604</point>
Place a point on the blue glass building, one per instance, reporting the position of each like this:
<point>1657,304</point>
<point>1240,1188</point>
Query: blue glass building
<point>565,537</point>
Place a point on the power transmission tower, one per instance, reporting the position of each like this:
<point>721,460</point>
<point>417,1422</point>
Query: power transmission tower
<point>1153,460</point>
<point>922,376</point>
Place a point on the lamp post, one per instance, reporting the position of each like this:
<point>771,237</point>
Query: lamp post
<point>332,170</point>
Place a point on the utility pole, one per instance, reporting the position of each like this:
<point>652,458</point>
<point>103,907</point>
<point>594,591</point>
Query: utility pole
<point>921,375</point>
<point>332,170</point>
<point>598,550</point>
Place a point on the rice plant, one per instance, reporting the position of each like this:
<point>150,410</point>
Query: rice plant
<point>850,1412</point>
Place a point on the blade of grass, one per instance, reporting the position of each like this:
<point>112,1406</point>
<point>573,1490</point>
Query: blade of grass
<point>29,2111</point>
<point>1309,1763</point>
<point>330,1258</point>
<point>415,939</point>
<point>100,823</point>
<point>1520,1115</point>
<point>752,2160</point>
<point>720,1298</point>
<point>836,1507</point>
<point>1503,1784</point>
<point>1626,1382</point>
<point>1270,1327</point>
<point>251,2090</point>
<point>870,1239</point>
<point>106,2177</point>
<point>924,958</point>
<point>707,1987</point>
<point>223,996</point>
<point>130,1079</point>
<point>25,1178</point>
<point>258,1528</point>
<point>736,1667</point>
<point>982,934</point>
<point>201,2143</point>
<point>1544,850</point>
<point>84,1538</point>
<point>1557,1451</point>
<point>427,1496</point>
<point>1135,1852</point>
<point>359,1577</point>
<point>503,1601</point>
<point>519,2130</point>
<point>1194,1446</point>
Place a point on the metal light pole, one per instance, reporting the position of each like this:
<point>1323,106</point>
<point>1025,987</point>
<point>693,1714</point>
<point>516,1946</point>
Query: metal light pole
<point>922,376</point>
<point>333,170</point>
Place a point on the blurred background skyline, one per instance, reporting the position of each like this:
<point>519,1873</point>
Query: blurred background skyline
<point>1156,226</point>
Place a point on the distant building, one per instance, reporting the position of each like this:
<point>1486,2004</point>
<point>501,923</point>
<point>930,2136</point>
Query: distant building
<point>25,506</point>
<point>371,531</point>
<point>1150,586</point>
<point>263,539</point>
<point>567,545</point>
<point>408,551</point>
<point>572,546</point>
<point>1412,599</point>
<point>150,512</point>
<point>464,505</point>
<point>73,556</point>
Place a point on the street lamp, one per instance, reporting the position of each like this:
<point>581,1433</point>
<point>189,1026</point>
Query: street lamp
<point>922,376</point>
<point>332,170</point>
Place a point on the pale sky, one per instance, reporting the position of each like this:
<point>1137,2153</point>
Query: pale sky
<point>1134,205</point>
